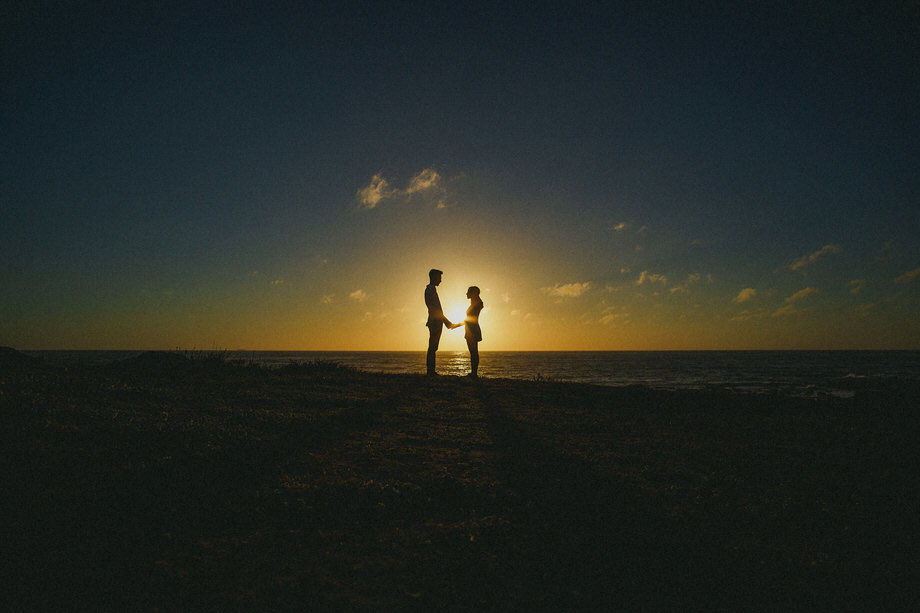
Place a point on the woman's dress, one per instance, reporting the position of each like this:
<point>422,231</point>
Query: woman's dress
<point>472,331</point>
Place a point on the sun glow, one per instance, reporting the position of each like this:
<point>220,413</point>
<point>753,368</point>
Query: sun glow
<point>456,311</point>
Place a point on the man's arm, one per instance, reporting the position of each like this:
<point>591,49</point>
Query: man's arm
<point>435,313</point>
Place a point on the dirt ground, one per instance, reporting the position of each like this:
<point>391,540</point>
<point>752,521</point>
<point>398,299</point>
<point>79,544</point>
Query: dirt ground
<point>166,483</point>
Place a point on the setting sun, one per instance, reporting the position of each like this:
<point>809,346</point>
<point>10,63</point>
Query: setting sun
<point>456,312</point>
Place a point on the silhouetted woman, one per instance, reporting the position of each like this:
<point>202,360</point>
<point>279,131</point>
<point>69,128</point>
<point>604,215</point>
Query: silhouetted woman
<point>473,333</point>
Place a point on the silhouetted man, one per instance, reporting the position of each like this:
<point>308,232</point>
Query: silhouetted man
<point>436,318</point>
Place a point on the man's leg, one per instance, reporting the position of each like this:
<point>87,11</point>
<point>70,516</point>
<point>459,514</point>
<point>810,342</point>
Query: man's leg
<point>434,339</point>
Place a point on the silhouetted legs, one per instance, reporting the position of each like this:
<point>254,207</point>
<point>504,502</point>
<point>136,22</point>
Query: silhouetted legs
<point>474,357</point>
<point>434,339</point>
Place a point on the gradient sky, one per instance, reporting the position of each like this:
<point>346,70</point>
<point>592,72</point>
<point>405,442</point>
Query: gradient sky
<point>612,175</point>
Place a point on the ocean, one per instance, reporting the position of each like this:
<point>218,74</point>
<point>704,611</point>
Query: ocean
<point>794,373</point>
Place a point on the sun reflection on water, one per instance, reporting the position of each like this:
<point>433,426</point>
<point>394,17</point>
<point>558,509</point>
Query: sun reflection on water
<point>455,363</point>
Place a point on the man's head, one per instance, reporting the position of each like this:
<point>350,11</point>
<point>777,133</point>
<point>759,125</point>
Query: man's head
<point>434,275</point>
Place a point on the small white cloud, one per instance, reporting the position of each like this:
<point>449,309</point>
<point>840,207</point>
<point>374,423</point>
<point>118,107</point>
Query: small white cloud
<point>359,294</point>
<point>744,295</point>
<point>790,308</point>
<point>277,282</point>
<point>647,277</point>
<point>621,226</point>
<point>569,290</point>
<point>811,258</point>
<point>427,179</point>
<point>377,190</point>
<point>506,297</point>
<point>685,286</point>
<point>515,312</point>
<point>907,277</point>
<point>609,316</point>
<point>802,293</point>
<point>328,299</point>
<point>856,286</point>
<point>743,316</point>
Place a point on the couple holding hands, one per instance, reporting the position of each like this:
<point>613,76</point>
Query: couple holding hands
<point>437,319</point>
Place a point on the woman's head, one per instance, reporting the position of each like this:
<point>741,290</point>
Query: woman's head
<point>472,292</point>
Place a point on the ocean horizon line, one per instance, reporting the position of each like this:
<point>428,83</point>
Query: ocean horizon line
<point>244,350</point>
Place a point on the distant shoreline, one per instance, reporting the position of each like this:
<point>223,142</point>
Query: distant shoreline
<point>796,373</point>
<point>194,349</point>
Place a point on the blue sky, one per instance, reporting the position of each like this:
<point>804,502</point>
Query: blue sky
<point>613,175</point>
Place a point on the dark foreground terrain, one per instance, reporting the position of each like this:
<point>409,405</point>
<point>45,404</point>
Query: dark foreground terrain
<point>170,483</point>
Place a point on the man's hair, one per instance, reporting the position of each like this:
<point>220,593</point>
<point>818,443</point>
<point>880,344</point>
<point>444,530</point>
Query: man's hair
<point>434,272</point>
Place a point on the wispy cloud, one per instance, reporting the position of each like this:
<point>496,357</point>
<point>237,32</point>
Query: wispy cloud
<point>647,277</point>
<point>378,189</point>
<point>569,290</point>
<point>790,307</point>
<point>685,286</point>
<point>359,294</point>
<point>745,315</point>
<point>811,258</point>
<point>621,226</point>
<point>856,286</point>
<point>907,277</point>
<point>610,316</point>
<point>802,293</point>
<point>328,298</point>
<point>888,251</point>
<point>427,181</point>
<point>744,295</point>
